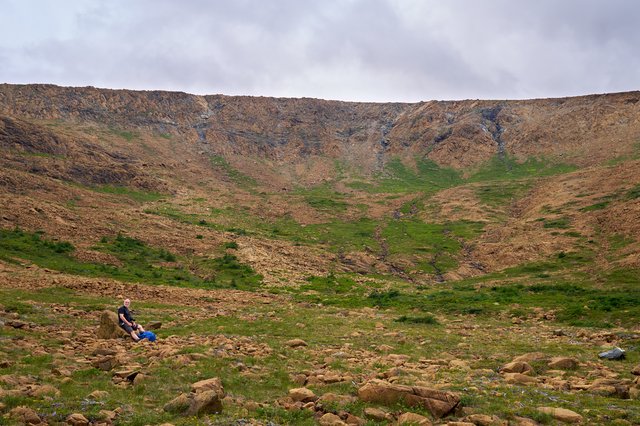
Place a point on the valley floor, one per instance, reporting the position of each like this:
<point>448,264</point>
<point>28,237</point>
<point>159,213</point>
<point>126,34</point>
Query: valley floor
<point>262,345</point>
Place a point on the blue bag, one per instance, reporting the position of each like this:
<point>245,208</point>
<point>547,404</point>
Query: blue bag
<point>149,335</point>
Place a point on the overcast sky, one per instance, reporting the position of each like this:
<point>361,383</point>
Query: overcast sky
<point>360,50</point>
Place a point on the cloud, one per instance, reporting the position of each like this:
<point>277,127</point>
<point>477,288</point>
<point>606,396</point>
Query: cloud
<point>383,50</point>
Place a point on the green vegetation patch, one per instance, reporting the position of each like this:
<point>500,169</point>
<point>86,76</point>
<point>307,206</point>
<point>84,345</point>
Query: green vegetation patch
<point>428,177</point>
<point>138,262</point>
<point>220,163</point>
<point>558,223</point>
<point>128,135</point>
<point>508,168</point>
<point>136,195</point>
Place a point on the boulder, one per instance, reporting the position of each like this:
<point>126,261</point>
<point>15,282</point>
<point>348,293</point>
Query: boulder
<point>205,402</point>
<point>563,363</point>
<point>42,390</point>
<point>109,326</point>
<point>214,384</point>
<point>107,363</point>
<point>98,395</point>
<point>610,387</point>
<point>302,395</point>
<point>439,403</point>
<point>413,419</point>
<point>354,420</point>
<point>179,404</point>
<point>520,379</point>
<point>615,353</point>
<point>205,398</point>
<point>376,414</point>
<point>521,367</point>
<point>330,419</point>
<point>337,399</point>
<point>562,414</point>
<point>25,415</point>
<point>77,419</point>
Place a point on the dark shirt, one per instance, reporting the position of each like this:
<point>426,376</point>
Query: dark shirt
<point>126,313</point>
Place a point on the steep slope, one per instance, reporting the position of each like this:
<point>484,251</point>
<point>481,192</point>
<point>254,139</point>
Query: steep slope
<point>426,192</point>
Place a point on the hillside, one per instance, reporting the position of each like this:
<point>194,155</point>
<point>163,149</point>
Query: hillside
<point>423,228</point>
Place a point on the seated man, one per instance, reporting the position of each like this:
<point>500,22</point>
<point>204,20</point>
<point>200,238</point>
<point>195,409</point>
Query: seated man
<point>127,322</point>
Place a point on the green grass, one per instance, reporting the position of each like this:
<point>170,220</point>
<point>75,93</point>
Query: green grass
<point>128,135</point>
<point>500,193</point>
<point>508,168</point>
<point>633,193</point>
<point>220,163</point>
<point>557,223</point>
<point>140,262</point>
<point>428,178</point>
<point>139,196</point>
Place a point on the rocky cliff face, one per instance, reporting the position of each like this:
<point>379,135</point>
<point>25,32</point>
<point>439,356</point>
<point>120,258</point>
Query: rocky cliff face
<point>583,130</point>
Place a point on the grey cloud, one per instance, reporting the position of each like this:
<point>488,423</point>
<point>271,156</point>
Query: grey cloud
<point>393,50</point>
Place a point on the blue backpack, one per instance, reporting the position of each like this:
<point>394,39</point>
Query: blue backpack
<point>149,335</point>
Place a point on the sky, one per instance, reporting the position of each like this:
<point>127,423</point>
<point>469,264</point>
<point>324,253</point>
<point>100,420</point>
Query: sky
<point>356,50</point>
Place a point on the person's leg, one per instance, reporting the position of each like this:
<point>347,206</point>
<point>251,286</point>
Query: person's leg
<point>140,329</point>
<point>131,332</point>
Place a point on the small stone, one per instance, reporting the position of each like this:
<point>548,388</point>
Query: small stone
<point>98,395</point>
<point>485,420</point>
<point>532,356</point>
<point>636,370</point>
<point>521,379</point>
<point>355,420</point>
<point>296,343</point>
<point>331,419</point>
<point>562,414</point>
<point>563,363</point>
<point>413,419</point>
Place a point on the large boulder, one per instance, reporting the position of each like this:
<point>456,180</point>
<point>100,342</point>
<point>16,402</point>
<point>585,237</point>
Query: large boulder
<point>439,403</point>
<point>109,326</point>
